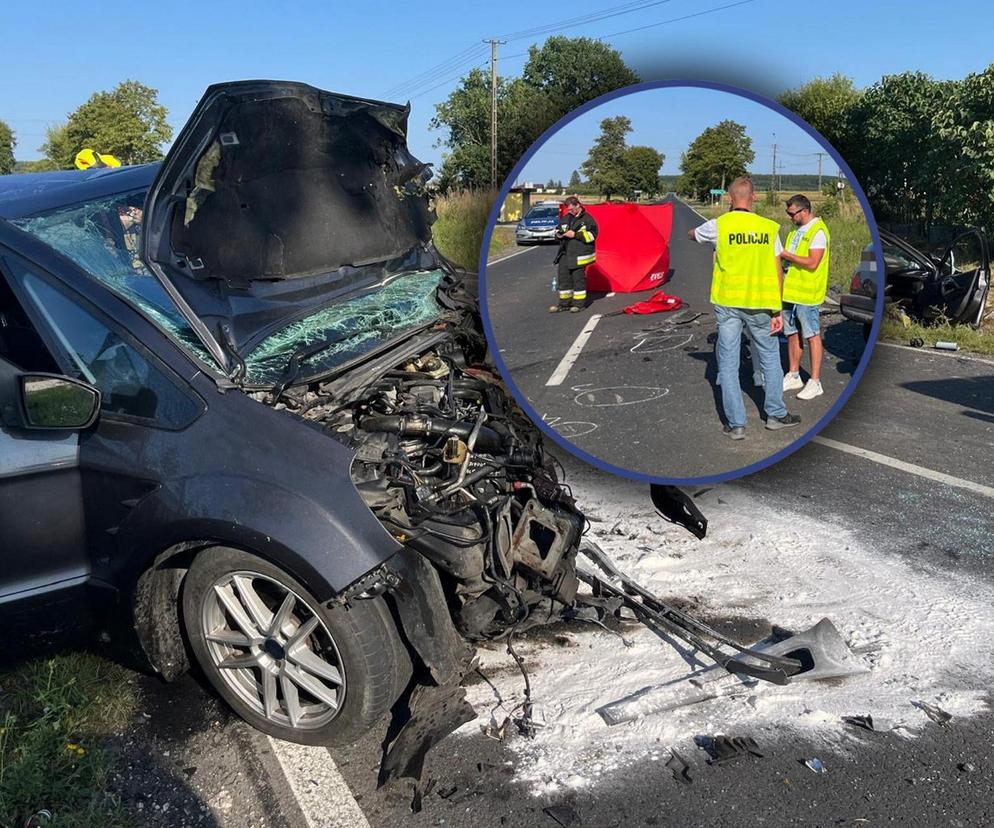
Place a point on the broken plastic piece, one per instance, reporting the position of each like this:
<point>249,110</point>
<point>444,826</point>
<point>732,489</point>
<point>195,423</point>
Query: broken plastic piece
<point>679,767</point>
<point>867,723</point>
<point>722,749</point>
<point>815,764</point>
<point>934,712</point>
<point>563,814</point>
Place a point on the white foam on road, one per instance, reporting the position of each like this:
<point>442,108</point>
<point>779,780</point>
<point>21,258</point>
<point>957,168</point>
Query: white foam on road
<point>322,794</point>
<point>924,633</point>
<point>573,353</point>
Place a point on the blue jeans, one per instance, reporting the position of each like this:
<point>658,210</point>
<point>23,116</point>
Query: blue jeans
<point>731,322</point>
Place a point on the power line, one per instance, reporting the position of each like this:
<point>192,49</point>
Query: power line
<point>433,72</point>
<point>677,19</point>
<point>615,11</point>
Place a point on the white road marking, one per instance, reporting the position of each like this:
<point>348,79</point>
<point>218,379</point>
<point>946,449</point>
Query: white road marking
<point>562,369</point>
<point>933,352</point>
<point>512,255</point>
<point>910,468</point>
<point>322,794</point>
<point>685,204</point>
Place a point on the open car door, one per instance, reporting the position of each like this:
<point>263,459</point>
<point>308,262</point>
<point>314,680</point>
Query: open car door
<point>961,284</point>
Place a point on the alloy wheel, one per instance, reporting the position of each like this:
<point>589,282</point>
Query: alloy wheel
<point>272,649</point>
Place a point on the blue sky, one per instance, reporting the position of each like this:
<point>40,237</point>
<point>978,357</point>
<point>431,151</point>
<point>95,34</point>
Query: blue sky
<point>668,119</point>
<point>56,54</point>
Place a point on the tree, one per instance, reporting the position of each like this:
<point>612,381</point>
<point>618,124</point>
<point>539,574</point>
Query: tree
<point>127,122</point>
<point>827,104</point>
<point>571,71</point>
<point>7,143</point>
<point>964,127</point>
<point>557,78</point>
<point>574,179</point>
<point>898,157</point>
<point>605,165</point>
<point>715,157</point>
<point>57,149</point>
<point>642,169</point>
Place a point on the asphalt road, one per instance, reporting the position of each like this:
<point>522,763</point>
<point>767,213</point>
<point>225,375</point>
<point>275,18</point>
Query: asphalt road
<point>641,394</point>
<point>933,413</point>
<point>922,490</point>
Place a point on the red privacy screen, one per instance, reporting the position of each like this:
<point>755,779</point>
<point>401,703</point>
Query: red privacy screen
<point>633,246</point>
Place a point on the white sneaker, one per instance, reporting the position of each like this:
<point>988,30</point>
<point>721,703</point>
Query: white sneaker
<point>792,381</point>
<point>811,390</point>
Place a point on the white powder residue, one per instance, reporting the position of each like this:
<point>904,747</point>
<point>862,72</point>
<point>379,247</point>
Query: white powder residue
<point>925,634</point>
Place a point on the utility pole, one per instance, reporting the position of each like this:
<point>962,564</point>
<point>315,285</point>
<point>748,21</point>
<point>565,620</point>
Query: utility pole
<point>773,169</point>
<point>493,109</point>
<point>819,154</point>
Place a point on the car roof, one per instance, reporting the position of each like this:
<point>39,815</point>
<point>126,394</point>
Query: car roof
<point>25,194</point>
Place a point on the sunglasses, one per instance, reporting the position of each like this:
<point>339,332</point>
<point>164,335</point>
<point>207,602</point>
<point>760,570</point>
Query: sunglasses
<point>795,212</point>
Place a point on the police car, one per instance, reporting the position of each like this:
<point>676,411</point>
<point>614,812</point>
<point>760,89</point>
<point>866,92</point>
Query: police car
<point>539,224</point>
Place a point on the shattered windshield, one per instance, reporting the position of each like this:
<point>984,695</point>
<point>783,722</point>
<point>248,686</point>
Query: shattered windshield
<point>102,237</point>
<point>359,324</point>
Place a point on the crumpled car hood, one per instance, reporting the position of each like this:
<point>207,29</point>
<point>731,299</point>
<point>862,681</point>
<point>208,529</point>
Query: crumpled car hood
<point>278,199</point>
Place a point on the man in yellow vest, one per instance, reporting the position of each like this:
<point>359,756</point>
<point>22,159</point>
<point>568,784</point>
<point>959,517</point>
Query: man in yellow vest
<point>804,286</point>
<point>746,286</point>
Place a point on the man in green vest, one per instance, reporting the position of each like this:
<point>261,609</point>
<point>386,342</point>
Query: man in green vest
<point>804,286</point>
<point>746,286</point>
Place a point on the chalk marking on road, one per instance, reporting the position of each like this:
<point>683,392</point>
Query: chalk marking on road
<point>324,798</point>
<point>569,428</point>
<point>931,352</point>
<point>594,397</point>
<point>571,356</point>
<point>658,342</point>
<point>910,468</point>
<point>511,255</point>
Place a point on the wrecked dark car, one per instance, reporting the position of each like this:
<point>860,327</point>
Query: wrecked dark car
<point>247,406</point>
<point>952,286</point>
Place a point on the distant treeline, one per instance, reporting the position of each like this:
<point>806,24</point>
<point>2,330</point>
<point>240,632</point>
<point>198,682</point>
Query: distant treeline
<point>794,183</point>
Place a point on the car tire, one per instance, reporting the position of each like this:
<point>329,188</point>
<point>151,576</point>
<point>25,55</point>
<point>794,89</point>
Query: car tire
<point>285,684</point>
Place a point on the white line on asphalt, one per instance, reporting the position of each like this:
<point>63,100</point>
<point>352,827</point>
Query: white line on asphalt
<point>511,255</point>
<point>322,794</point>
<point>685,204</point>
<point>562,369</point>
<point>931,352</point>
<point>910,468</point>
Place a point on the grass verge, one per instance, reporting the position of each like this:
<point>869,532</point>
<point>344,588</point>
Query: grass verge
<point>54,714</point>
<point>977,341</point>
<point>462,218</point>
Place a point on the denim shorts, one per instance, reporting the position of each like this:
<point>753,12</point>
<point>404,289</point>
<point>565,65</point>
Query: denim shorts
<point>807,318</point>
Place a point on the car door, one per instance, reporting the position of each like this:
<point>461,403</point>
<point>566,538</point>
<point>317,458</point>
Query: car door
<point>43,557</point>
<point>144,405</point>
<point>958,291</point>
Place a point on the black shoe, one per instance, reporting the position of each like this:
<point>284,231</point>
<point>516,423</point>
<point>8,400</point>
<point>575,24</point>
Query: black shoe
<point>786,421</point>
<point>735,432</point>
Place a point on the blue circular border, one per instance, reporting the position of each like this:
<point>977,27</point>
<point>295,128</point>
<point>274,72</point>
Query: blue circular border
<point>628,473</point>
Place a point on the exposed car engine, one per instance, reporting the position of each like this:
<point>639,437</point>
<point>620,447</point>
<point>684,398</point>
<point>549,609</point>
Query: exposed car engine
<point>451,466</point>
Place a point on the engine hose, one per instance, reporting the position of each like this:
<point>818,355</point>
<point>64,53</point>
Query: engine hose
<point>487,440</point>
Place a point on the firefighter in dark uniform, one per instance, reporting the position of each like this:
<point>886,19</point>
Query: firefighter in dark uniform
<point>577,234</point>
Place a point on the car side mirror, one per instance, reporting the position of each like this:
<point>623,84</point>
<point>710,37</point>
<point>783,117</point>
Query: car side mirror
<point>55,402</point>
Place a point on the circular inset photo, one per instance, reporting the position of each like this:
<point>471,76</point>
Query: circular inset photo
<point>681,286</point>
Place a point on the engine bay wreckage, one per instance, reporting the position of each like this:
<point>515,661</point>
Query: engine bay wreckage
<point>292,226</point>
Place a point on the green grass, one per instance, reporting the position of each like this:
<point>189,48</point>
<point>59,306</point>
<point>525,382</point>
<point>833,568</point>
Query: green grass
<point>849,232</point>
<point>54,713</point>
<point>978,341</point>
<point>462,218</point>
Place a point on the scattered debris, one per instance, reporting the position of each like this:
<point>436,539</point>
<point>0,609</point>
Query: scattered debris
<point>36,820</point>
<point>867,723</point>
<point>967,767</point>
<point>420,792</point>
<point>815,764</point>
<point>934,712</point>
<point>679,768</point>
<point>447,791</point>
<point>722,749</point>
<point>563,814</point>
<point>946,346</point>
<point>917,342</point>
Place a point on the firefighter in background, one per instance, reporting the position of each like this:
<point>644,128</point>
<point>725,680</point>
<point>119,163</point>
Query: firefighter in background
<point>577,236</point>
